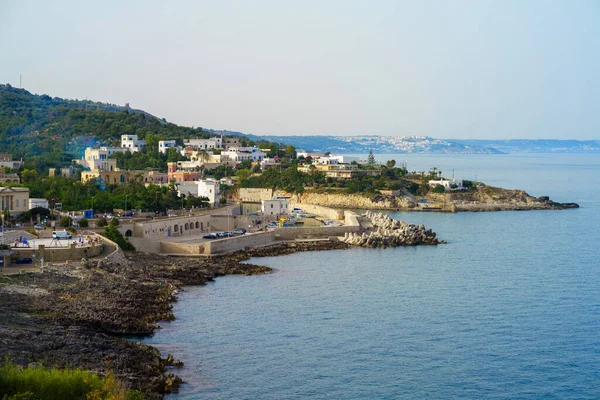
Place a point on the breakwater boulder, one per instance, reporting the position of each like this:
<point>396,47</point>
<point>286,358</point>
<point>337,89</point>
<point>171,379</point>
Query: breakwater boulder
<point>388,232</point>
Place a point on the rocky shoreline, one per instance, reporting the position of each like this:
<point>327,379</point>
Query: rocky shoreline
<point>85,315</point>
<point>481,199</point>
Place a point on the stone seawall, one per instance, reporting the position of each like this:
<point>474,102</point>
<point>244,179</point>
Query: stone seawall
<point>388,232</point>
<point>352,201</point>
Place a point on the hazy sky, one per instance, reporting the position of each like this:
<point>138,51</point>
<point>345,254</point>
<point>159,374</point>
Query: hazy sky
<point>448,69</point>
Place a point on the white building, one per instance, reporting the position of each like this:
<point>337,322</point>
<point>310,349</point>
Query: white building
<point>163,145</point>
<point>447,184</point>
<point>312,154</point>
<point>239,154</point>
<point>99,158</point>
<point>132,143</point>
<point>33,203</point>
<point>205,144</point>
<point>208,188</point>
<point>275,206</point>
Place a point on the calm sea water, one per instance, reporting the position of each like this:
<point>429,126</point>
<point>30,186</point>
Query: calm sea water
<point>509,309</point>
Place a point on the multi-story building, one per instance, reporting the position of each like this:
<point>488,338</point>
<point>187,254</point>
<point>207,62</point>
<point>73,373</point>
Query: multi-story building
<point>239,154</point>
<point>339,171</point>
<point>98,159</point>
<point>164,145</point>
<point>6,160</point>
<point>115,177</point>
<point>276,206</point>
<point>14,199</point>
<point>175,175</point>
<point>231,141</point>
<point>8,178</point>
<point>208,188</point>
<point>132,143</point>
<point>156,177</point>
<point>205,144</point>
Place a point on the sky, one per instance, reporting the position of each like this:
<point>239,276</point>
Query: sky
<point>447,69</point>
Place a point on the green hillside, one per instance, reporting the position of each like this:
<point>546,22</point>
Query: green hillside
<point>57,130</point>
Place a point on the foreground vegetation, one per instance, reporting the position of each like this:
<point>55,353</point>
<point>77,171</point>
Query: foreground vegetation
<point>36,382</point>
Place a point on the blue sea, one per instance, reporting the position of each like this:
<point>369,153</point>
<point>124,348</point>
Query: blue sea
<point>508,309</point>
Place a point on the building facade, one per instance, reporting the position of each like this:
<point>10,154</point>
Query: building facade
<point>14,199</point>
<point>132,143</point>
<point>164,145</point>
<point>275,206</point>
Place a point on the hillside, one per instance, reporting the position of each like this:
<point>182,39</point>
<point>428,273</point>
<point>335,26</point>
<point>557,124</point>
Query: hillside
<point>58,129</point>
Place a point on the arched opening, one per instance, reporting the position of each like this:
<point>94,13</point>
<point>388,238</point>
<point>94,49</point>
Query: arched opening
<point>128,233</point>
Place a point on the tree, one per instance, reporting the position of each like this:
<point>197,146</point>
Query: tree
<point>65,221</point>
<point>111,232</point>
<point>371,159</point>
<point>290,151</point>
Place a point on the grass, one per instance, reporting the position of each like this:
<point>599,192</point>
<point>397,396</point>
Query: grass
<point>37,383</point>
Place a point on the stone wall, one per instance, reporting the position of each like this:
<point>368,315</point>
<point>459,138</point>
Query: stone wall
<point>352,201</point>
<point>60,254</point>
<point>255,195</point>
<point>240,242</point>
<point>321,211</point>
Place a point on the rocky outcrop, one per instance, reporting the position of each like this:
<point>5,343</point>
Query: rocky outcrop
<point>388,232</point>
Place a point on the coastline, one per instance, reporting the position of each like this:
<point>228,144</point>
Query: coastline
<point>88,316</point>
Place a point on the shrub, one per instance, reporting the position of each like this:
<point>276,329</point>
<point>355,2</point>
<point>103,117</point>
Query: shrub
<point>101,222</point>
<point>84,223</point>
<point>65,221</point>
<point>111,232</point>
<point>33,383</point>
<point>438,189</point>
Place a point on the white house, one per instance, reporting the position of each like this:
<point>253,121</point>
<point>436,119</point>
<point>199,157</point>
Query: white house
<point>275,206</point>
<point>132,143</point>
<point>312,154</point>
<point>239,154</point>
<point>98,159</point>
<point>447,184</point>
<point>202,188</point>
<point>163,145</point>
<point>211,143</point>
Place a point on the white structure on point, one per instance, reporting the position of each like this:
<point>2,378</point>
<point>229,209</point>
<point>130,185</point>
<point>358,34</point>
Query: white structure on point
<point>447,184</point>
<point>275,206</point>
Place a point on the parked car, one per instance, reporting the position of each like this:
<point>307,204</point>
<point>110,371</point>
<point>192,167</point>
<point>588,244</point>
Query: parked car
<point>239,231</point>
<point>210,236</point>
<point>25,260</point>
